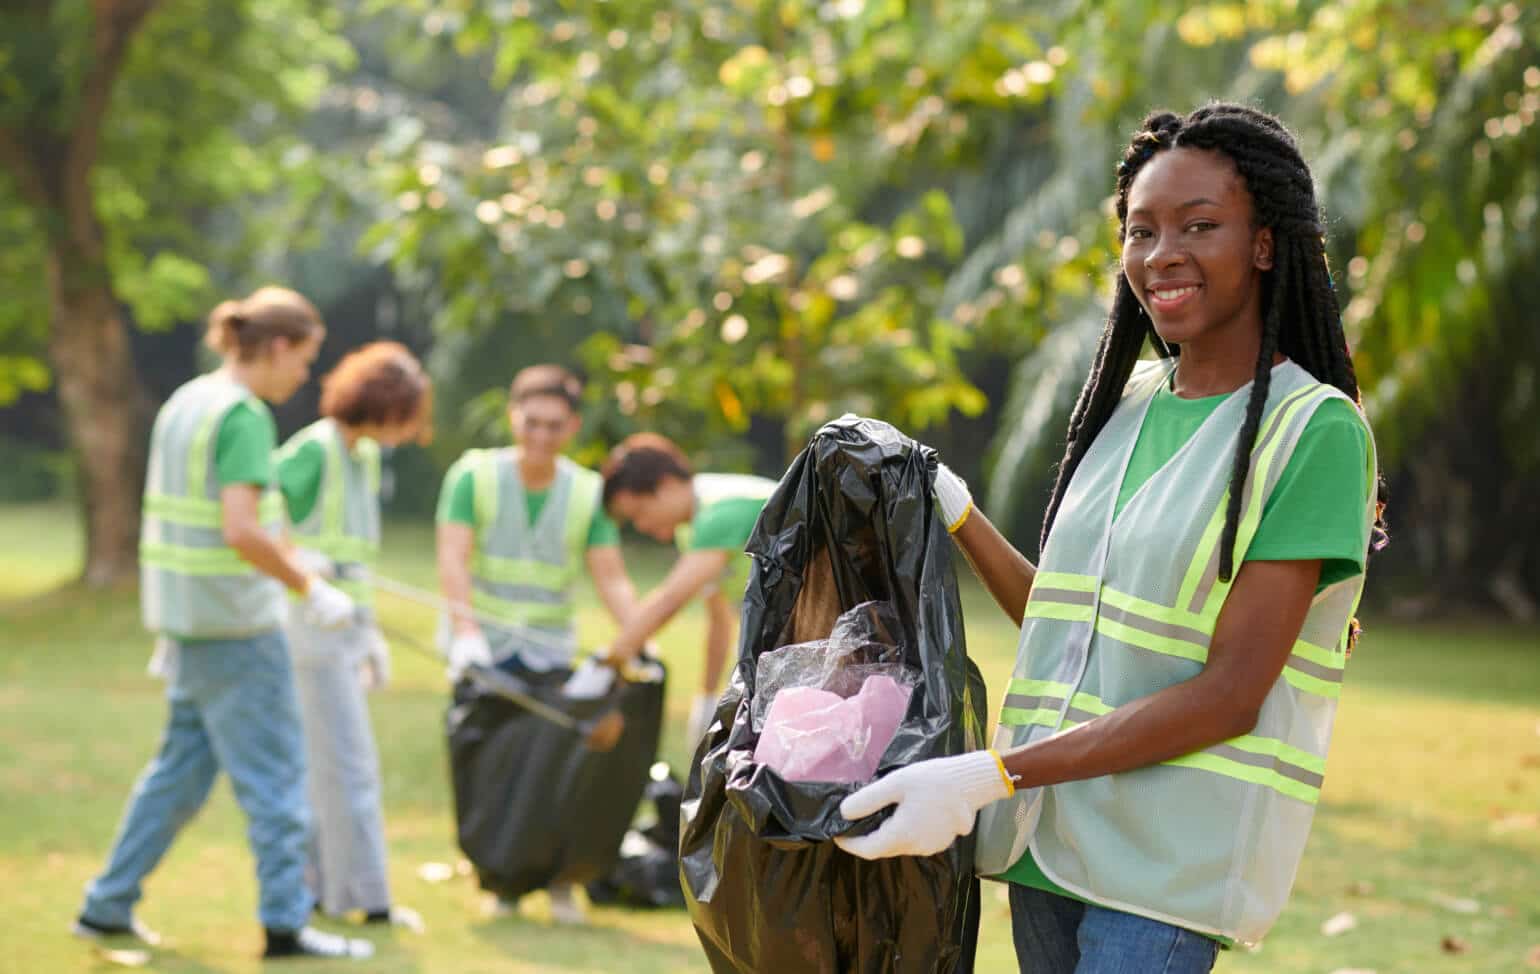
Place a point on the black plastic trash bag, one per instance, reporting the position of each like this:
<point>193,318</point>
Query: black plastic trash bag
<point>647,873</point>
<point>852,521</point>
<point>534,804</point>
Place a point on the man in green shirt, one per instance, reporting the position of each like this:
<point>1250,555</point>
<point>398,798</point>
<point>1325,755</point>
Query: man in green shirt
<point>648,481</point>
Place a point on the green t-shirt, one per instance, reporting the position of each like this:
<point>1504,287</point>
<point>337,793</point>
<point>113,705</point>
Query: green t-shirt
<point>1315,511</point>
<point>457,505</point>
<point>300,468</point>
<point>727,507</point>
<point>243,447</point>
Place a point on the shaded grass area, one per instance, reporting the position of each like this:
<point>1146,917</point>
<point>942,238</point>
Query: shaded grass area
<point>1428,830</point>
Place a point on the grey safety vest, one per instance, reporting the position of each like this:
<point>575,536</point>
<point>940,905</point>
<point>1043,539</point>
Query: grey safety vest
<point>192,584</point>
<point>344,523</point>
<point>522,574</point>
<point>1123,607</point>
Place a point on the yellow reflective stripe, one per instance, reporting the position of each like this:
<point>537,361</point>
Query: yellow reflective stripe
<point>1316,654</point>
<point>517,571</point>
<point>521,613</point>
<point>361,592</point>
<point>198,452</point>
<point>1205,556</point>
<point>1274,748</point>
<point>202,512</point>
<point>1039,688</point>
<point>185,560</point>
<point>1072,581</point>
<point>1250,774</point>
<point>1090,704</point>
<point>1054,610</point>
<point>1153,610</point>
<point>484,492</point>
<point>1040,717</point>
<point>343,547</point>
<point>1309,684</point>
<point>332,482</point>
<point>1164,645</point>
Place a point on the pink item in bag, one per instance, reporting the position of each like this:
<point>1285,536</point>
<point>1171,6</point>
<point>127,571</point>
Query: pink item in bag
<point>815,735</point>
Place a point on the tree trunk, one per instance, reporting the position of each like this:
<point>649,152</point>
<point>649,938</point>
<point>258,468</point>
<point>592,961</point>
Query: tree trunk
<point>104,409</point>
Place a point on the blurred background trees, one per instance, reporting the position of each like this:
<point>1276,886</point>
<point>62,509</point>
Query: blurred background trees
<point>742,218</point>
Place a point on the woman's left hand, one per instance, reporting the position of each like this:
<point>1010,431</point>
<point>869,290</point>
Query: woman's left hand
<point>376,665</point>
<point>935,800</point>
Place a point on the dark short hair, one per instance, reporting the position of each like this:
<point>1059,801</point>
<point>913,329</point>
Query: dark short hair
<point>546,380</point>
<point>639,463</point>
<point>380,383</point>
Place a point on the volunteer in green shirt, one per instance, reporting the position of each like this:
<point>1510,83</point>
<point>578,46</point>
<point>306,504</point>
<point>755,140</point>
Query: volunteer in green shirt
<point>213,567</point>
<point>1162,743</point>
<point>329,473</point>
<point>648,482</point>
<point>517,528</point>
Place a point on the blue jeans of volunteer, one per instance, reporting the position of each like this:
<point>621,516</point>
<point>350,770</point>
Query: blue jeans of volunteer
<point>1058,935</point>
<point>233,708</point>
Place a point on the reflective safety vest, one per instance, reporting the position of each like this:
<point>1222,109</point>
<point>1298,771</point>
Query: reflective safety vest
<point>192,584</point>
<point>710,488</point>
<point>344,523</point>
<point>1123,607</point>
<point>522,574</point>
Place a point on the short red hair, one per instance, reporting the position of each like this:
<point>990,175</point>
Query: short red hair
<point>380,384</point>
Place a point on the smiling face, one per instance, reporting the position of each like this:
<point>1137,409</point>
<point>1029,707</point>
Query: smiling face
<point>1191,250</point>
<point>543,426</point>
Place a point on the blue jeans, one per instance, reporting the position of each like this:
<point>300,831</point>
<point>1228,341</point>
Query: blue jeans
<point>233,707</point>
<point>1058,935</point>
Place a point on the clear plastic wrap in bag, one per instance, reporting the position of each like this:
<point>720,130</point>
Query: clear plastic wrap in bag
<point>828,709</point>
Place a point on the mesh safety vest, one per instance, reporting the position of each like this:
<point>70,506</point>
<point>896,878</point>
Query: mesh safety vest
<point>522,574</point>
<point>344,523</point>
<point>710,488</point>
<point>1122,607</point>
<point>192,584</point>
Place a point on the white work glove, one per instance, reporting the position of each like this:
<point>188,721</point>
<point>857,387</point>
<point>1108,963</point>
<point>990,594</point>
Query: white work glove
<point>468,649</point>
<point>376,665</point>
<point>936,802</point>
<point>325,606</point>
<point>591,680</point>
<point>315,563</point>
<point>953,500</point>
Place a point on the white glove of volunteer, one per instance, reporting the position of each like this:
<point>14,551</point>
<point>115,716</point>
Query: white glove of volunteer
<point>315,563</point>
<point>467,649</point>
<point>591,680</point>
<point>325,606</point>
<point>376,665</point>
<point>952,497</point>
<point>936,802</point>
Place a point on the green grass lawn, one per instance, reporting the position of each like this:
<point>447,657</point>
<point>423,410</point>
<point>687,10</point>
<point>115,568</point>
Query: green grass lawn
<point>1428,829</point>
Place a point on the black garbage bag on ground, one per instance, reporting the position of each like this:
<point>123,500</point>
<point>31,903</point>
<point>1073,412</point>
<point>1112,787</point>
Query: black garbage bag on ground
<point>534,804</point>
<point>647,873</point>
<point>852,521</point>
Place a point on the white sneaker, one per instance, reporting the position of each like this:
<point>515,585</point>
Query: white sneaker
<point>566,908</point>
<point>310,942</point>
<point>86,930</point>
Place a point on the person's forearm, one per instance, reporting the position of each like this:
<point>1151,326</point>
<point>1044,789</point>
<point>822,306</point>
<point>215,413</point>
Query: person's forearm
<point>1170,723</point>
<point>1005,572</point>
<point>619,598</point>
<point>454,579</point>
<point>270,556</point>
<point>650,615</point>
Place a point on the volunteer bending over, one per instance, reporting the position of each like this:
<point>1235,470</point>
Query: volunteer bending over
<point>1160,749</point>
<point>329,473</point>
<point>213,567</point>
<point>517,527</point>
<point>648,482</point>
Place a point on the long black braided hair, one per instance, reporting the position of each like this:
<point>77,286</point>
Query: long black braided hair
<point>1300,317</point>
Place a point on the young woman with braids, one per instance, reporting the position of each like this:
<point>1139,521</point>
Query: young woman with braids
<point>1161,745</point>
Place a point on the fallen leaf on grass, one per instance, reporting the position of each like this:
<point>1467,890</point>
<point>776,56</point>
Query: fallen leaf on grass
<point>1516,820</point>
<point>1504,912</point>
<point>1339,924</point>
<point>1453,945</point>
<point>1456,904</point>
<point>1361,887</point>
<point>1532,959</point>
<point>435,872</point>
<point>1530,761</point>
